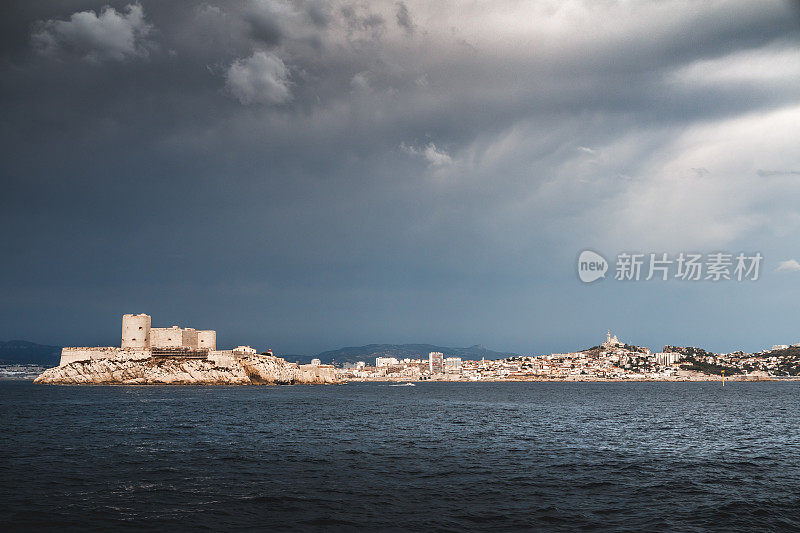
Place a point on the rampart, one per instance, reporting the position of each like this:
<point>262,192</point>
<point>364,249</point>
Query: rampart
<point>71,355</point>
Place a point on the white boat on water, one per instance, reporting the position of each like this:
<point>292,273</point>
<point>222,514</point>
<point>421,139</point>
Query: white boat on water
<point>407,384</point>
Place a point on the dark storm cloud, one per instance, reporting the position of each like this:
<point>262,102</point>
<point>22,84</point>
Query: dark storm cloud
<point>318,13</point>
<point>404,17</point>
<point>266,22</point>
<point>309,174</point>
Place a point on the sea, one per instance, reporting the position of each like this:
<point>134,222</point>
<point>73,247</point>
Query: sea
<point>370,456</point>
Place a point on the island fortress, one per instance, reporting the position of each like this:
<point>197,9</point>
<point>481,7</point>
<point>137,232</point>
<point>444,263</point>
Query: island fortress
<point>180,356</point>
<point>142,341</point>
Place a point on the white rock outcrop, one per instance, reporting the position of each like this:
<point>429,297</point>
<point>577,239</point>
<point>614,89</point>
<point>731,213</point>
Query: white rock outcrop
<point>255,369</point>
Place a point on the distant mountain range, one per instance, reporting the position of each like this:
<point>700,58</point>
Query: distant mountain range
<point>29,352</point>
<point>368,353</point>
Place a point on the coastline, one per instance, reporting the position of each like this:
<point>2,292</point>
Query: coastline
<point>251,370</point>
<point>576,380</point>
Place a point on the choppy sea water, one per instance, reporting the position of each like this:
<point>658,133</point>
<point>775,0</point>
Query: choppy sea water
<point>437,456</point>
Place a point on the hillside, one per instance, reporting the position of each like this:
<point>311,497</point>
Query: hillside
<point>791,351</point>
<point>368,353</point>
<point>29,352</point>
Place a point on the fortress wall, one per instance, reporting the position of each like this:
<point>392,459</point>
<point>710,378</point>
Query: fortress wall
<point>166,337</point>
<point>70,355</point>
<point>319,373</point>
<point>136,331</point>
<point>189,338</point>
<point>207,339</point>
<point>222,358</point>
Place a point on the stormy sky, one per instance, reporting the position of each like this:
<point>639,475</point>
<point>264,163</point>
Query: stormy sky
<point>308,175</point>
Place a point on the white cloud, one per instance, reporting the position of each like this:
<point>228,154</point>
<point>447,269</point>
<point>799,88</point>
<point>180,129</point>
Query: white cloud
<point>261,78</point>
<point>769,64</point>
<point>434,156</point>
<point>708,209</point>
<point>109,36</point>
<point>790,265</point>
<point>360,82</point>
<point>769,173</point>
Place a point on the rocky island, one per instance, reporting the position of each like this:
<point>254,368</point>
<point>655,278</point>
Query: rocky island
<point>248,370</point>
<point>177,356</point>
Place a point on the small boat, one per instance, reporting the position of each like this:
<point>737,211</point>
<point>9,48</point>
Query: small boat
<point>407,384</point>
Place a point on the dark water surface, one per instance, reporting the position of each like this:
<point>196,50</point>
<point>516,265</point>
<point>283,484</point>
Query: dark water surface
<point>459,456</point>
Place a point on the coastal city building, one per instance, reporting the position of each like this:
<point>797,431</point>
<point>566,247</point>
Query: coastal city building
<point>435,362</point>
<point>611,360</point>
<point>667,358</point>
<point>452,365</point>
<point>611,341</point>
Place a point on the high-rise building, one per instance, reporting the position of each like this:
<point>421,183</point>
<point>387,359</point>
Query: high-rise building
<point>452,365</point>
<point>435,362</point>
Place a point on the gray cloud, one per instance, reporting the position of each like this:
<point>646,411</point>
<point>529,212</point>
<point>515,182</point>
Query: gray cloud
<point>109,35</point>
<point>318,12</point>
<point>261,78</point>
<point>434,156</point>
<point>404,18</point>
<point>360,18</point>
<point>295,219</point>
<point>767,173</point>
<point>268,21</point>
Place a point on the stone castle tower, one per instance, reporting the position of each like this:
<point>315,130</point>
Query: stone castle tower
<point>136,331</point>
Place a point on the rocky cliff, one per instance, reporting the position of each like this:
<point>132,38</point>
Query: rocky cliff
<point>256,369</point>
